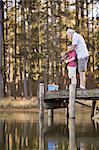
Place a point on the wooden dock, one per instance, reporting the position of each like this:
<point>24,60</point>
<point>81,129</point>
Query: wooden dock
<point>61,99</point>
<point>56,99</point>
<point>80,94</point>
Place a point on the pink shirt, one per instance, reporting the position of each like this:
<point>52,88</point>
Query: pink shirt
<point>70,55</point>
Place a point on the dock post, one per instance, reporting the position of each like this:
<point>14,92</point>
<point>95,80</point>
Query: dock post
<point>93,108</point>
<point>67,114</point>
<point>50,117</point>
<point>41,100</point>
<point>72,89</point>
<point>41,133</point>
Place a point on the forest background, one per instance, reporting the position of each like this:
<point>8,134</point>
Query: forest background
<point>32,36</point>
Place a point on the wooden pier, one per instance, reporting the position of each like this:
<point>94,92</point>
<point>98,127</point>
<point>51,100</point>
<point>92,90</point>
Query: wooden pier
<point>80,94</point>
<point>60,99</point>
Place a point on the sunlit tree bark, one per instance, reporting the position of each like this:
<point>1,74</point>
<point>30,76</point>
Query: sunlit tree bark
<point>24,34</point>
<point>4,50</point>
<point>15,48</point>
<point>29,48</point>
<point>82,13</point>
<point>93,43</point>
<point>77,14</point>
<point>1,42</point>
<point>56,40</point>
<point>52,42</point>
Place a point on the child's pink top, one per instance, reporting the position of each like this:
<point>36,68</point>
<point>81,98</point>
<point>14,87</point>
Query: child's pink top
<point>70,55</point>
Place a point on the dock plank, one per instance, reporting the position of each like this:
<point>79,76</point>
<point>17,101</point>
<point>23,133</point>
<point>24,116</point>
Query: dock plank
<point>92,94</point>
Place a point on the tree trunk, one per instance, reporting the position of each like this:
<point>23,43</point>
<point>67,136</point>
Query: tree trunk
<point>60,31</point>
<point>56,41</point>
<point>82,13</point>
<point>93,46</point>
<point>53,39</point>
<point>15,46</point>
<point>25,78</point>
<point>20,58</point>
<point>30,68</point>
<point>1,41</point>
<point>47,41</point>
<point>87,12</point>
<point>77,14</point>
<point>9,87</point>
<point>4,54</point>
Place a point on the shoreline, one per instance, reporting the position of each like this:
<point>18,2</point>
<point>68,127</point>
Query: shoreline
<point>18,105</point>
<point>9,104</point>
<point>19,110</point>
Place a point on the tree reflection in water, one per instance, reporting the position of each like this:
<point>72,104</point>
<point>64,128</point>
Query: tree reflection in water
<point>34,134</point>
<point>15,135</point>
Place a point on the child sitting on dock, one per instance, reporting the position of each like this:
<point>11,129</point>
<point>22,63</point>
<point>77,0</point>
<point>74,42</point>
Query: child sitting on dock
<point>69,58</point>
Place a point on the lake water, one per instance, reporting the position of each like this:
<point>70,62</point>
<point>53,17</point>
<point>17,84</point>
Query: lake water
<point>24,131</point>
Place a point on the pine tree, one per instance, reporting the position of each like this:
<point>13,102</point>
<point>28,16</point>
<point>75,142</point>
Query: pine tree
<point>1,41</point>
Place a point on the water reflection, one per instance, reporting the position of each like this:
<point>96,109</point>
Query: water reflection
<point>41,134</point>
<point>72,144</point>
<point>33,134</point>
<point>59,137</point>
<point>18,136</point>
